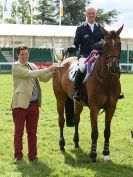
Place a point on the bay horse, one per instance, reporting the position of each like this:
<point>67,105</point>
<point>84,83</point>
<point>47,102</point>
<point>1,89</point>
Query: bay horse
<point>101,90</point>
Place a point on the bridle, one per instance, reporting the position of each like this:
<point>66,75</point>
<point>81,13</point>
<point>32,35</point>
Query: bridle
<point>104,76</point>
<point>113,70</point>
<point>117,68</point>
<point>113,57</point>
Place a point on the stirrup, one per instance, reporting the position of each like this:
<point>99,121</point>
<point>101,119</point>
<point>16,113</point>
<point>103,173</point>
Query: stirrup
<point>76,96</point>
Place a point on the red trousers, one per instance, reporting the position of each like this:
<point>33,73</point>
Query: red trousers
<point>28,117</point>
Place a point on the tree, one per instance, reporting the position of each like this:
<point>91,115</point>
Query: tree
<point>73,12</point>
<point>106,18</point>
<point>1,10</point>
<point>45,13</point>
<point>20,12</point>
<point>49,14</point>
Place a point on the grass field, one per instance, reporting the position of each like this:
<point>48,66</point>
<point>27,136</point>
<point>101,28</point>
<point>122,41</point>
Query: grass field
<point>74,162</point>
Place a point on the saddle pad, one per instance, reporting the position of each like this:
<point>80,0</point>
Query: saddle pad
<point>73,70</point>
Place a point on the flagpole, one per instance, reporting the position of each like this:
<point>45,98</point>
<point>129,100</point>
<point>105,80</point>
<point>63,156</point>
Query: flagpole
<point>31,16</point>
<point>32,5</point>
<point>60,12</point>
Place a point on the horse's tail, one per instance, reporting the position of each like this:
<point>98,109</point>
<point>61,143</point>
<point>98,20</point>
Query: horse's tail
<point>69,112</point>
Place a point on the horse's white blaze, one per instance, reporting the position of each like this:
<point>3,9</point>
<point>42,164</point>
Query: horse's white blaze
<point>106,157</point>
<point>113,42</point>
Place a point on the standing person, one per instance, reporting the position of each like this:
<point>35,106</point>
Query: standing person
<point>26,101</point>
<point>86,35</point>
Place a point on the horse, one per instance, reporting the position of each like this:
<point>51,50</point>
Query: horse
<point>101,91</point>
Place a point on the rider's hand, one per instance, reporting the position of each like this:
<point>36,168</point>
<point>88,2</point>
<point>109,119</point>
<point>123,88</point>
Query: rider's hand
<point>98,45</point>
<point>71,49</point>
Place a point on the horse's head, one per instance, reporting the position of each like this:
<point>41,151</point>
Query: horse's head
<point>112,49</point>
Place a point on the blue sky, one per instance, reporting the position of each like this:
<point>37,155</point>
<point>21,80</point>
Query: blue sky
<point>125,7</point>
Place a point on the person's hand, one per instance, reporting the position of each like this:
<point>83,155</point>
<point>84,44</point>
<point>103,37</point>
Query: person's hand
<point>53,67</point>
<point>71,49</point>
<point>98,45</point>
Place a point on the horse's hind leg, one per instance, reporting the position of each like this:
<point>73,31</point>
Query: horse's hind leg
<point>108,117</point>
<point>61,120</point>
<point>78,110</point>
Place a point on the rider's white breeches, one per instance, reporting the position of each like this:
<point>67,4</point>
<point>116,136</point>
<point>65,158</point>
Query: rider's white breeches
<point>82,64</point>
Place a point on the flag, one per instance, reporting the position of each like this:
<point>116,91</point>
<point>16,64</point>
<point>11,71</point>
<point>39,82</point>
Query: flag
<point>61,8</point>
<point>5,5</point>
<point>32,6</point>
<point>5,9</point>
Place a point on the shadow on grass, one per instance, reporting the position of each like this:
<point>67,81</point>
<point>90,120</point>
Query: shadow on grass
<point>33,169</point>
<point>101,168</point>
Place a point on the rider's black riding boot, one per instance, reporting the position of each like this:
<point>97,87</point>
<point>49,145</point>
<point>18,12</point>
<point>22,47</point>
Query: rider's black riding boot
<point>77,83</point>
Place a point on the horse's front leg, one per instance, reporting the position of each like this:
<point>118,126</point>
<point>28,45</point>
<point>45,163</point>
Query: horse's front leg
<point>61,120</point>
<point>109,112</point>
<point>94,131</point>
<point>78,110</point>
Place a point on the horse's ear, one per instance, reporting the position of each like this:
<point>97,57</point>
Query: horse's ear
<point>119,30</point>
<point>105,32</point>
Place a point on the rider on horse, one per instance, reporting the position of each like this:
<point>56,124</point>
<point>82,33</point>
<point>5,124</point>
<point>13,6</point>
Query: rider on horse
<point>87,34</point>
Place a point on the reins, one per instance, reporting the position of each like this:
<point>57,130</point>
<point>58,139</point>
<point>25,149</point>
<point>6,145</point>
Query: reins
<point>103,76</point>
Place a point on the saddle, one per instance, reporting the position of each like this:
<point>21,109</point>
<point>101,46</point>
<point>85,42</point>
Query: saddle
<point>89,63</point>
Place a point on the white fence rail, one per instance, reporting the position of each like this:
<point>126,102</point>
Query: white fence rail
<point>6,67</point>
<point>126,67</point>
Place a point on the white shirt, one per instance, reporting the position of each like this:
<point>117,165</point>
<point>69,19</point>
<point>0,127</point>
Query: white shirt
<point>91,26</point>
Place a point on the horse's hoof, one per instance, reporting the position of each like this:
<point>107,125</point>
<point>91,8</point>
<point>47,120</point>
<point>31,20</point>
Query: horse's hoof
<point>76,146</point>
<point>93,160</point>
<point>106,157</point>
<point>93,157</point>
<point>62,150</point>
<point>61,144</point>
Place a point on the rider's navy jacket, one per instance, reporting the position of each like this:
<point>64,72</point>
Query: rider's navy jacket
<point>85,38</point>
